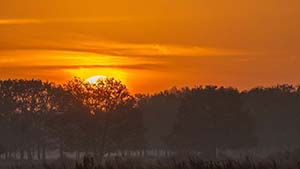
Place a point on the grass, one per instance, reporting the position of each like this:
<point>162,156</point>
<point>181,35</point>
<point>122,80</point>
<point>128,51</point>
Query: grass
<point>189,163</point>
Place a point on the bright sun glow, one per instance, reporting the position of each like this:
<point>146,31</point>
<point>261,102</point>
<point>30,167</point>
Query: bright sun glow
<point>94,79</point>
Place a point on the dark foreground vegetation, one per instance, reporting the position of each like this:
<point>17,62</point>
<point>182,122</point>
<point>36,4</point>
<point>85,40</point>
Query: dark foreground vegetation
<point>188,163</point>
<point>42,122</point>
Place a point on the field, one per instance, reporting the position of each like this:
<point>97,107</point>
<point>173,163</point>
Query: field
<point>166,163</point>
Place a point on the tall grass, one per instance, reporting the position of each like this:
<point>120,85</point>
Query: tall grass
<point>189,163</point>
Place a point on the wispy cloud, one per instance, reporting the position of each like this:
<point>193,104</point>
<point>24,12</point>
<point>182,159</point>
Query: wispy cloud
<point>84,41</point>
<point>19,21</point>
<point>24,21</point>
<point>124,49</point>
<point>63,67</point>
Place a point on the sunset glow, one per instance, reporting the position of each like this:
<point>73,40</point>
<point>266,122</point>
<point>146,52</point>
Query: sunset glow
<point>95,78</point>
<point>112,84</point>
<point>232,43</point>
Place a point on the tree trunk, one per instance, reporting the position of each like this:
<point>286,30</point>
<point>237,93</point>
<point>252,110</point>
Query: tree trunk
<point>96,154</point>
<point>29,155</point>
<point>39,152</point>
<point>44,153</point>
<point>86,153</point>
<point>22,154</point>
<point>77,155</point>
<point>61,150</point>
<point>6,155</point>
<point>15,155</point>
<point>9,155</point>
<point>104,137</point>
<point>33,153</point>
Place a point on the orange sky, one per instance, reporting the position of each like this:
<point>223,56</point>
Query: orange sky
<point>152,45</point>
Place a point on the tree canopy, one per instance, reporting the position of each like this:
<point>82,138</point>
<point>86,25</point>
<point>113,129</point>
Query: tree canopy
<point>37,117</point>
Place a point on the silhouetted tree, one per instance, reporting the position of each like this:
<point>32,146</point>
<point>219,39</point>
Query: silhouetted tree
<point>211,118</point>
<point>7,107</point>
<point>36,117</point>
<point>159,114</point>
<point>275,111</point>
<point>111,105</point>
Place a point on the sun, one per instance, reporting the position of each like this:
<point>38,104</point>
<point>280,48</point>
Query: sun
<point>94,79</point>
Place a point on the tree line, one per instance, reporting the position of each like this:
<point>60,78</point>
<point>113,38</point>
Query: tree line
<point>37,117</point>
<point>207,118</point>
<point>78,116</point>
